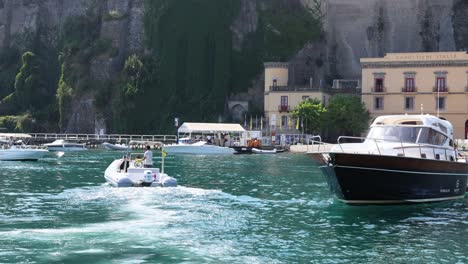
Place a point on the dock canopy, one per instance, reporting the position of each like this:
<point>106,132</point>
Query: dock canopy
<point>209,128</point>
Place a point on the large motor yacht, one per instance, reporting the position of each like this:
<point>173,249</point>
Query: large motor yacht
<point>403,159</point>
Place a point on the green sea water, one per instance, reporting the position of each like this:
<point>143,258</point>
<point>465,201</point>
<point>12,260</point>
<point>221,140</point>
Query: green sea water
<point>227,209</point>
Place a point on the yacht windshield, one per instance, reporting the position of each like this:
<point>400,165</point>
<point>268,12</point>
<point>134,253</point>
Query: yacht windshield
<point>410,134</point>
<point>431,136</point>
<point>395,133</point>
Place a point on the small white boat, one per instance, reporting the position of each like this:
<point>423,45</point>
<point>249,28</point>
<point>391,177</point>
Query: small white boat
<point>200,147</point>
<point>110,146</point>
<point>62,145</point>
<point>130,173</point>
<point>264,151</point>
<point>21,153</point>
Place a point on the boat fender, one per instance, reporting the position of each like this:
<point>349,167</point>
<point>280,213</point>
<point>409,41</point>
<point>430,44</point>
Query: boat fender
<point>148,176</point>
<point>169,182</point>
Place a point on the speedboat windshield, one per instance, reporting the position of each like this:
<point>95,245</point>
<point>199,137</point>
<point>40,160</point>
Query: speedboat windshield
<point>407,134</point>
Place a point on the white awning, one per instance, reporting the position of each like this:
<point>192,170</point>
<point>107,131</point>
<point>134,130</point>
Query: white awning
<point>209,128</point>
<point>14,135</point>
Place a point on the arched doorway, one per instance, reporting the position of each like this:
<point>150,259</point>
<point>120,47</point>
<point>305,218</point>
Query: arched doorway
<point>466,129</point>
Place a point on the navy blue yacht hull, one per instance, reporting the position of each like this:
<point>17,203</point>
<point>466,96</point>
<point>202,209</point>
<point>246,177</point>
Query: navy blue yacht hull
<point>373,179</point>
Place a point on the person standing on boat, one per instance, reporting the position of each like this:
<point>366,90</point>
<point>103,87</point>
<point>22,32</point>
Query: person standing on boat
<point>148,157</point>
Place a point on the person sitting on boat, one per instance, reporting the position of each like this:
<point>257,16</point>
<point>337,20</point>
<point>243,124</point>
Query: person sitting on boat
<point>148,157</point>
<point>125,164</point>
<point>455,150</point>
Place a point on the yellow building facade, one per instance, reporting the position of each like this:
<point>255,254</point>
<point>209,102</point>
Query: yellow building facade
<point>280,97</point>
<point>431,83</point>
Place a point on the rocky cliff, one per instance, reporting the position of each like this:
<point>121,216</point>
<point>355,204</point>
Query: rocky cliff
<point>351,29</point>
<point>370,28</point>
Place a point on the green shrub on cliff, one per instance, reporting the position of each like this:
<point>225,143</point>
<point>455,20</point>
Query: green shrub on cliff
<point>20,123</point>
<point>138,106</point>
<point>10,62</point>
<point>30,91</point>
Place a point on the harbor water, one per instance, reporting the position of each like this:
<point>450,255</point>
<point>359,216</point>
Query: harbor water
<point>227,209</point>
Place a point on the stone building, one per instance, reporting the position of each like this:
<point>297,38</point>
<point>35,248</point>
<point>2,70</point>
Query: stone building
<point>281,95</point>
<point>431,83</point>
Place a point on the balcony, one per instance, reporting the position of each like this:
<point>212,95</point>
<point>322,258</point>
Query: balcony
<point>284,108</point>
<point>409,90</point>
<point>277,88</point>
<point>440,89</point>
<point>379,89</point>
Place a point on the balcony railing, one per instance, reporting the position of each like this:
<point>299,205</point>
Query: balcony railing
<point>409,90</point>
<point>379,89</point>
<point>284,108</point>
<point>440,89</point>
<point>276,88</point>
<point>314,89</point>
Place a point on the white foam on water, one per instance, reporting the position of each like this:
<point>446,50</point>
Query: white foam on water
<point>194,220</point>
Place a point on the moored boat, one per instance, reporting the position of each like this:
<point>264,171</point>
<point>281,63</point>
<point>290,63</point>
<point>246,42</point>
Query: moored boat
<point>21,153</point>
<point>200,147</point>
<point>62,145</point>
<point>110,146</point>
<point>264,151</point>
<point>403,159</point>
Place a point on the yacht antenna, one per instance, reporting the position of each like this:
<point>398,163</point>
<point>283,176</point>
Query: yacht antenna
<point>422,109</point>
<point>438,98</point>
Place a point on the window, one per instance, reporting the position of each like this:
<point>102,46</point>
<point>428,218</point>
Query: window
<point>431,136</point>
<point>409,103</point>
<point>305,97</point>
<point>284,121</point>
<point>284,100</point>
<point>284,106</point>
<point>409,85</point>
<point>440,103</point>
<point>378,103</point>
<point>379,85</point>
<point>440,84</point>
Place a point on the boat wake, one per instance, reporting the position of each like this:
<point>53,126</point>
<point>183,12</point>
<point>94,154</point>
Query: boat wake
<point>167,219</point>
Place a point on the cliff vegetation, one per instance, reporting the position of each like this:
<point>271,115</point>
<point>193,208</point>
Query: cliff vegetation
<point>188,67</point>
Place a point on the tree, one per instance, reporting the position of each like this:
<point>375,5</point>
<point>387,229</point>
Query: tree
<point>311,112</point>
<point>346,115</point>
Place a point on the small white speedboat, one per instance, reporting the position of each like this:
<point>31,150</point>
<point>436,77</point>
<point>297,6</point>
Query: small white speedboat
<point>130,173</point>
<point>200,147</point>
<point>62,145</point>
<point>110,146</point>
<point>21,153</point>
<point>264,151</point>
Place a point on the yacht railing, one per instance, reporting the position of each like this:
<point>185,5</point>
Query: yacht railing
<point>318,142</point>
<point>403,147</point>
